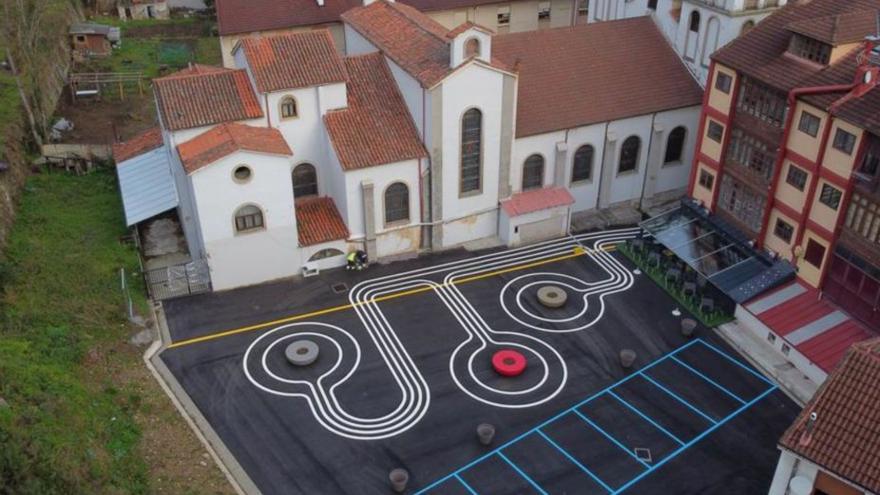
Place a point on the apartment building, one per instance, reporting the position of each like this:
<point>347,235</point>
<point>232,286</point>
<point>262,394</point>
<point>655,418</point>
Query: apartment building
<point>788,154</point>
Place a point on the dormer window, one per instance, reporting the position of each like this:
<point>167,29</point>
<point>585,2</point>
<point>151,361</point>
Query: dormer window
<point>810,49</point>
<point>471,48</point>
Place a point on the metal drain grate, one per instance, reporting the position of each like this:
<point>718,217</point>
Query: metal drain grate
<point>340,288</point>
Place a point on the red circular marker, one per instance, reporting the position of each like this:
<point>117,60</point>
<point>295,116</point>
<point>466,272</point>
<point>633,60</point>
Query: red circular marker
<point>508,362</point>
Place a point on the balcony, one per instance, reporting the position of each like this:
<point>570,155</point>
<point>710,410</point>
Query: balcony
<point>740,5</point>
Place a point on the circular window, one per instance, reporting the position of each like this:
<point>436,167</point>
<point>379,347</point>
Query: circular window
<point>242,173</point>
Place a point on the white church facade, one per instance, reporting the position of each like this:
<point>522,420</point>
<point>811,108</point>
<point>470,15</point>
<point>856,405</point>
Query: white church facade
<point>419,138</point>
<point>694,28</point>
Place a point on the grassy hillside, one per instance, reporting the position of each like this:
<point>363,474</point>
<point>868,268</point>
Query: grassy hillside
<point>60,309</point>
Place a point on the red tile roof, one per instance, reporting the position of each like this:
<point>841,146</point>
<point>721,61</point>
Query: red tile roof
<point>465,26</point>
<point>837,29</point>
<point>844,439</point>
<point>825,349</point>
<point>294,60</point>
<point>762,52</point>
<point>575,76</point>
<point>536,200</point>
<point>319,221</point>
<point>417,43</point>
<point>203,95</point>
<point>249,16</point>
<point>225,139</point>
<point>376,128</point>
<point>138,145</point>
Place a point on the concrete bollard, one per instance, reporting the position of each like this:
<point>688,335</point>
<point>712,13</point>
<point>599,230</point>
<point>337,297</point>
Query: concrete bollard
<point>627,358</point>
<point>398,477</point>
<point>485,433</point>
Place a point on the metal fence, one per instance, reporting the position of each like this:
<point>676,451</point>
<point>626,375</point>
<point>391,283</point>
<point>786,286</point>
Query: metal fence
<point>178,280</point>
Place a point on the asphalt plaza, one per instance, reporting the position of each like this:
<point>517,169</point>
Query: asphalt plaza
<point>404,378</point>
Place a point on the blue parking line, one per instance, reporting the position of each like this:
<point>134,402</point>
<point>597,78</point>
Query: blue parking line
<point>521,473</point>
<point>706,378</point>
<point>645,417</point>
<point>465,485</point>
<point>696,439</point>
<point>737,362</point>
<point>575,461</point>
<point>679,399</point>
<point>609,437</point>
<point>559,415</point>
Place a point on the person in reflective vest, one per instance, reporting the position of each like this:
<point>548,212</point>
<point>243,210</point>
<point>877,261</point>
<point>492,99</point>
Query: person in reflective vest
<point>357,260</point>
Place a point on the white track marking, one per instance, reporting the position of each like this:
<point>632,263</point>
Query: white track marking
<point>415,394</point>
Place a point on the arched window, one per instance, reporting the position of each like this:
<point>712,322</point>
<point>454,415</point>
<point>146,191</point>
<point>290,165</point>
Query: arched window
<point>747,26</point>
<point>533,172</point>
<point>305,181</point>
<point>675,145</point>
<point>397,203</point>
<point>471,151</point>
<point>695,22</point>
<point>326,253</point>
<point>629,154</point>
<point>288,108</point>
<point>471,48</point>
<point>583,164</point>
<point>247,218</point>
<point>710,39</point>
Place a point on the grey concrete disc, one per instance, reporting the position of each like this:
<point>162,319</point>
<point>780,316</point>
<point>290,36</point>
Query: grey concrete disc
<point>301,352</point>
<point>552,296</point>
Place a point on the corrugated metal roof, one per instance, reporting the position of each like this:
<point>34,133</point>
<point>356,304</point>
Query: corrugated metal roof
<point>147,185</point>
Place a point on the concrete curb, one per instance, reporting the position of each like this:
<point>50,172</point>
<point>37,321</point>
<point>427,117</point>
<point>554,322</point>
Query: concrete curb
<point>745,344</point>
<point>223,458</point>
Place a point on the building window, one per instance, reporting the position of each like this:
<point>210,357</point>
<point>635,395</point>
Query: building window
<point>583,7</point>
<point>796,177</point>
<point>397,203</point>
<point>830,196</point>
<point>863,217</point>
<point>723,83</point>
<point>248,218</point>
<point>747,26</point>
<point>503,16</point>
<point>695,22</point>
<point>543,11</point>
<point>771,337</point>
<point>783,230</point>
<point>288,107</point>
<point>629,154</point>
<point>762,102</point>
<point>582,169</point>
<point>326,253</point>
<point>242,173</point>
<point>533,172</point>
<point>810,49</point>
<point>675,145</point>
<point>809,124</point>
<point>715,131</point>
<point>471,151</point>
<point>752,154</point>
<point>652,4</point>
<point>786,349</point>
<point>742,203</point>
<point>815,253</point>
<point>471,48</point>
<point>305,181</point>
<point>707,180</point>
<point>871,163</point>
<point>844,141</point>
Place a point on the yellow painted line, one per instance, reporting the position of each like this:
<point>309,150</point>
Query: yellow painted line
<point>577,251</point>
